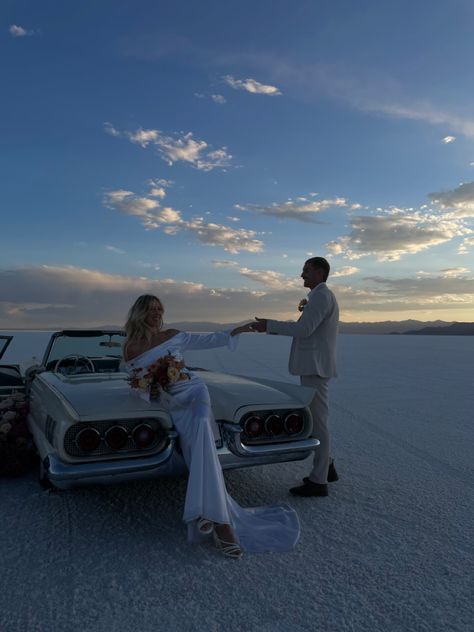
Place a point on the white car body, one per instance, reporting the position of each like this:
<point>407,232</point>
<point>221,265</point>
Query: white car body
<point>65,399</point>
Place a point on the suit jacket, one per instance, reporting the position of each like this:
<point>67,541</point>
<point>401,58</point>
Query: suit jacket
<point>313,350</point>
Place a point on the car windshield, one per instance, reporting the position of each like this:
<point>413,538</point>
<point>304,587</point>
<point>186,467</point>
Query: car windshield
<point>93,344</point>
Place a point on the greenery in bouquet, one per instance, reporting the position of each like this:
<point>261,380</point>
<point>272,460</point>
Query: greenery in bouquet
<point>161,374</point>
<point>17,450</point>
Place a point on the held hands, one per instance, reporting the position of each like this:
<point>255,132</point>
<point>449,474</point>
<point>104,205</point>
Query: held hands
<point>242,329</point>
<point>260,325</point>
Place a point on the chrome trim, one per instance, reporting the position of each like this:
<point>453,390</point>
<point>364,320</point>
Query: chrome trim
<point>59,472</point>
<point>232,433</point>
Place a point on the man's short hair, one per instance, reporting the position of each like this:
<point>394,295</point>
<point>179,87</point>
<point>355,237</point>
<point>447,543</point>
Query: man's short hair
<point>320,262</point>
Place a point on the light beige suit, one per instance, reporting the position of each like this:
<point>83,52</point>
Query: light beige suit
<point>313,358</point>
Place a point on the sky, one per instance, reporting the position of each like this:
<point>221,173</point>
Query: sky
<point>202,151</point>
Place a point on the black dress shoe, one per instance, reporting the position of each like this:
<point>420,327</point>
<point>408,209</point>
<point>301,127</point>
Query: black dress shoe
<point>310,489</point>
<point>332,474</point>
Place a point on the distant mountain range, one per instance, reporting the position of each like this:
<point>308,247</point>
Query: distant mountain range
<point>413,327</point>
<point>456,329</point>
<point>409,327</point>
<point>403,327</point>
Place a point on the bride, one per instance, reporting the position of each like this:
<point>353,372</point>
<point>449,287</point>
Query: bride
<point>209,510</point>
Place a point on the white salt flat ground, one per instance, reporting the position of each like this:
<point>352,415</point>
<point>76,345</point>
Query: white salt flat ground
<point>389,549</point>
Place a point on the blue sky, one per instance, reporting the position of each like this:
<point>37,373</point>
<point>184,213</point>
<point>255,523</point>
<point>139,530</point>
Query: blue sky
<point>202,151</point>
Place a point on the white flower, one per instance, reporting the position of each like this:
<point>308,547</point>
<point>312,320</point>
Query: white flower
<point>5,428</point>
<point>173,374</point>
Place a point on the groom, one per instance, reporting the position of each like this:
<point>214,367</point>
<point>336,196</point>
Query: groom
<point>313,358</point>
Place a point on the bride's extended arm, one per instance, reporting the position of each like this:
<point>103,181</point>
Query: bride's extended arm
<point>243,329</point>
<point>228,339</point>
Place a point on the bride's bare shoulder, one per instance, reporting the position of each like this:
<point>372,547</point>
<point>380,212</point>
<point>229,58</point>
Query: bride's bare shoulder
<point>133,350</point>
<point>163,336</point>
<point>172,332</point>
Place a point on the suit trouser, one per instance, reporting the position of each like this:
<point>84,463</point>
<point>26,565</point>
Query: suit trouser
<point>320,411</point>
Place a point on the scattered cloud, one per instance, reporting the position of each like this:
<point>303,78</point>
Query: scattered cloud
<point>299,209</point>
<point>232,218</point>
<point>147,265</point>
<point>251,85</point>
<point>177,147</point>
<point>426,291</point>
<point>467,243</point>
<point>271,279</point>
<point>460,200</point>
<point>222,263</point>
<point>369,92</point>
<point>232,240</point>
<point>117,251</point>
<point>155,216</point>
<point>18,31</point>
<point>344,271</point>
<point>449,273</point>
<point>396,232</point>
<point>217,98</point>
<point>149,210</point>
<point>448,139</point>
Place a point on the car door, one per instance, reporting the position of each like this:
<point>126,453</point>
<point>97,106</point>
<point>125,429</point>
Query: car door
<point>11,380</point>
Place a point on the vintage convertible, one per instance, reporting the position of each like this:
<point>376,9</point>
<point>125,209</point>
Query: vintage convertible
<point>89,427</point>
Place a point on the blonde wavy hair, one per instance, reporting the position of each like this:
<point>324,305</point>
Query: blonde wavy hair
<point>136,327</point>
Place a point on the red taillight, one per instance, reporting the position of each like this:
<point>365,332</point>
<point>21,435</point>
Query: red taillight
<point>116,437</point>
<point>143,435</point>
<point>253,426</point>
<point>274,425</point>
<point>294,423</point>
<point>88,439</point>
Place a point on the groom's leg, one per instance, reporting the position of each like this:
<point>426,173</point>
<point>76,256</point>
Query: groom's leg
<point>320,412</point>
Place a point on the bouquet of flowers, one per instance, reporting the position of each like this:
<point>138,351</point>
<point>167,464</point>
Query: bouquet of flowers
<point>159,375</point>
<point>17,450</point>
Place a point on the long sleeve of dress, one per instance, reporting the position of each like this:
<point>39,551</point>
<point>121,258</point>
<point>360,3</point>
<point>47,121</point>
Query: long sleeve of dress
<point>192,341</point>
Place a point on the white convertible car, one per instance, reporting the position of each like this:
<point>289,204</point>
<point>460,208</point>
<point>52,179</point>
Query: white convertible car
<point>89,427</point>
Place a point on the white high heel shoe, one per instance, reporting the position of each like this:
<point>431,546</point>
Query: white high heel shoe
<point>229,549</point>
<point>205,526</point>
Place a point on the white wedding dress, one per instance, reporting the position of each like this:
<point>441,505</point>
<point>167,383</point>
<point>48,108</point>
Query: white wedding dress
<point>258,529</point>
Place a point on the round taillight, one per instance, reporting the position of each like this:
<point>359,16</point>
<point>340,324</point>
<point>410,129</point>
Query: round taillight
<point>294,423</point>
<point>116,437</point>
<point>143,435</point>
<point>253,426</point>
<point>88,439</point>
<point>274,425</point>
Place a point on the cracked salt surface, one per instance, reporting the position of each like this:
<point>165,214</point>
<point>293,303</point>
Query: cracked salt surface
<point>389,549</point>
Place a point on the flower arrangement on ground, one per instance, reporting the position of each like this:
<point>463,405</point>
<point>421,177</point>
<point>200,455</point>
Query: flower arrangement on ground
<point>159,375</point>
<point>17,450</point>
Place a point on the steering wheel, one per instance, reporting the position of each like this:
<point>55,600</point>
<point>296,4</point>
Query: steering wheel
<point>79,361</point>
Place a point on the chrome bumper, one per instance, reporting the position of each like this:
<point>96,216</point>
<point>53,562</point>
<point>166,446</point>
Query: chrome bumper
<point>242,455</point>
<point>66,475</point>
